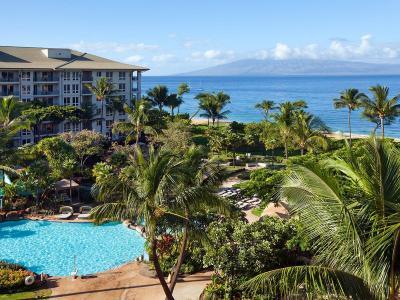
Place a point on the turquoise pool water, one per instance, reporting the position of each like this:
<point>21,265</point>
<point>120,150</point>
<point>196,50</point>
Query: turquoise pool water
<point>50,247</point>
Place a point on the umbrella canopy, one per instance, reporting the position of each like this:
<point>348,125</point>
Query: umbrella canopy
<point>64,184</point>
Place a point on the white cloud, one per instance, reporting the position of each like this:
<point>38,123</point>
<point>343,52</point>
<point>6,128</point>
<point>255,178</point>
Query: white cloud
<point>112,47</point>
<point>134,59</point>
<point>365,49</point>
<point>162,57</point>
<point>172,35</point>
<point>213,54</point>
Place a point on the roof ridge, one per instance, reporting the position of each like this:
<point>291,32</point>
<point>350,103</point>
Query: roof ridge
<point>70,61</point>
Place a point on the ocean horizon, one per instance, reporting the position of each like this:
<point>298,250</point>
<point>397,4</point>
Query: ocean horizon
<point>317,91</point>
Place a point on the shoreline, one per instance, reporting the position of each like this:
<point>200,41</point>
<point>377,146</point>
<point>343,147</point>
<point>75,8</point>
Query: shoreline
<point>337,135</point>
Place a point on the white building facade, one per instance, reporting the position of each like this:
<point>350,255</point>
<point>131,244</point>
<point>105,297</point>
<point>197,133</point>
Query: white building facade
<point>60,77</point>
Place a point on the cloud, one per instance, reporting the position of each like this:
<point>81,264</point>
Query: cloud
<point>134,59</point>
<point>338,48</point>
<point>172,35</point>
<point>213,54</point>
<point>162,57</point>
<point>105,47</point>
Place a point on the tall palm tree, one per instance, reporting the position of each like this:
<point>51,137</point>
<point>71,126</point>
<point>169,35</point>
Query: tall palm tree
<point>205,104</point>
<point>381,106</point>
<point>102,89</point>
<point>173,101</point>
<point>115,104</point>
<point>284,119</point>
<point>266,106</point>
<point>356,239</point>
<point>307,131</point>
<point>137,119</point>
<point>352,100</point>
<point>183,88</point>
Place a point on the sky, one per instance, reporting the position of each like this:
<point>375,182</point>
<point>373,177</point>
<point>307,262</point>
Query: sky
<point>177,36</point>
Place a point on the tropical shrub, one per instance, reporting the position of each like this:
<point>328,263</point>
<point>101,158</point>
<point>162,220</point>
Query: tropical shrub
<point>12,276</point>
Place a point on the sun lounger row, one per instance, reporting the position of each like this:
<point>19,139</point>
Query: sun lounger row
<point>67,212</point>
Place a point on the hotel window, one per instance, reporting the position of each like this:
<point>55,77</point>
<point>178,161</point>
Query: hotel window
<point>75,101</point>
<point>26,76</point>
<point>121,75</point>
<point>122,120</point>
<point>109,75</point>
<point>25,132</point>
<point>26,90</point>
<point>109,124</point>
<point>75,76</point>
<point>75,126</point>
<point>67,101</point>
<point>26,100</point>
<point>109,112</point>
<point>67,88</point>
<point>98,123</point>
<point>121,113</point>
<point>25,141</point>
<point>67,75</point>
<point>98,111</point>
<point>75,88</point>
<point>67,126</point>
<point>121,87</point>
<point>98,74</point>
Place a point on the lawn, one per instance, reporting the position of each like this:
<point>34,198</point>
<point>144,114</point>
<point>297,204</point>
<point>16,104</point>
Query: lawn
<point>39,294</point>
<point>257,211</point>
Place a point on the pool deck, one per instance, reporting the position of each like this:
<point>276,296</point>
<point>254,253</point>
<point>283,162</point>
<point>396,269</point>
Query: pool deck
<point>132,281</point>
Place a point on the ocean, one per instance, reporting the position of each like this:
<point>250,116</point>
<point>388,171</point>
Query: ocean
<point>317,91</point>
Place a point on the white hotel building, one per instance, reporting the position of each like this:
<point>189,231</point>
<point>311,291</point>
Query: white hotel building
<point>59,77</point>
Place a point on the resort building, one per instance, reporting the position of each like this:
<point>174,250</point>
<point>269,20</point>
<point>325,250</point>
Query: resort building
<point>56,76</point>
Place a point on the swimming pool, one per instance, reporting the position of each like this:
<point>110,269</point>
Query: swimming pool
<point>50,247</point>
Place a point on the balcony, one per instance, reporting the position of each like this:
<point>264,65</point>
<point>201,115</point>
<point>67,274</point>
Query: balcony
<point>85,91</point>
<point>45,78</point>
<point>9,93</point>
<point>46,93</point>
<point>87,77</point>
<point>9,79</point>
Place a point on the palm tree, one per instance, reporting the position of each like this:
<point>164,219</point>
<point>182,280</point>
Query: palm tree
<point>137,116</point>
<point>183,88</point>
<point>266,106</point>
<point>115,104</point>
<point>355,237</point>
<point>284,119</point>
<point>102,89</point>
<point>158,96</point>
<point>307,131</point>
<point>350,99</point>
<point>381,106</point>
<point>144,188</point>
<point>173,101</point>
<point>213,104</point>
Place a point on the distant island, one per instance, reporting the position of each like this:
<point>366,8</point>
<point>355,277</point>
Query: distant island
<point>258,67</point>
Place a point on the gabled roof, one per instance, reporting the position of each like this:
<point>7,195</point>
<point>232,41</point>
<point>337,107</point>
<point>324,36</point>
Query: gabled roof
<point>34,58</point>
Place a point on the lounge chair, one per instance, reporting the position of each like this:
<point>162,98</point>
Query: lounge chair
<point>84,212</point>
<point>65,213</point>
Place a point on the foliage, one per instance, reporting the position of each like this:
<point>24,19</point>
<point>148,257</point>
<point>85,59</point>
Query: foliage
<point>239,251</point>
<point>12,276</point>
<point>212,105</point>
<point>176,137</point>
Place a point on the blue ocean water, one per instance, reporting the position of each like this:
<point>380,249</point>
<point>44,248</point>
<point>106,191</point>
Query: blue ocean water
<point>318,91</point>
<point>50,247</point>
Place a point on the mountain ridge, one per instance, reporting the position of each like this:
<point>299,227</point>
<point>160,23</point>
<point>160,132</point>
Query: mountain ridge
<point>259,67</point>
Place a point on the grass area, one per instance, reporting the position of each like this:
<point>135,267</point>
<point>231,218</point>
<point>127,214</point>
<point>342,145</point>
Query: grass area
<point>39,294</point>
<point>257,211</point>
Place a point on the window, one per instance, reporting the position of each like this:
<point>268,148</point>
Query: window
<point>67,101</point>
<point>109,124</point>
<point>25,132</point>
<point>75,101</point>
<point>98,74</point>
<point>67,126</point>
<point>26,76</point>
<point>121,75</point>
<point>67,75</point>
<point>75,76</point>
<point>75,88</point>
<point>75,127</point>
<point>121,87</point>
<point>26,90</point>
<point>98,111</point>
<point>122,120</point>
<point>121,113</point>
<point>109,112</point>
<point>109,75</point>
<point>67,88</point>
<point>25,141</point>
<point>98,123</point>
<point>26,100</point>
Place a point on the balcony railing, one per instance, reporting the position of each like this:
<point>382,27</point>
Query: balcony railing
<point>46,93</point>
<point>9,79</point>
<point>51,78</point>
<point>9,93</point>
<point>87,78</point>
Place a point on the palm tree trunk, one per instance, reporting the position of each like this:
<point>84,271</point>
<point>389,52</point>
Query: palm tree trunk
<point>382,128</point>
<point>70,188</point>
<point>102,116</point>
<point>181,255</point>
<point>349,126</point>
<point>160,275</point>
<point>302,150</point>
<point>286,149</point>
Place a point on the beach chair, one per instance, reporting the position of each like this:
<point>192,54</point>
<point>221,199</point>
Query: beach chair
<point>84,212</point>
<point>65,213</point>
